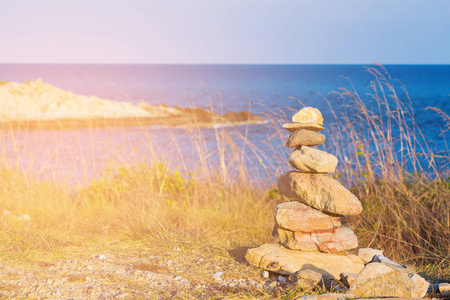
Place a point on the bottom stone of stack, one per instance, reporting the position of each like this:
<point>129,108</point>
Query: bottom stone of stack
<point>276,258</point>
<point>332,240</point>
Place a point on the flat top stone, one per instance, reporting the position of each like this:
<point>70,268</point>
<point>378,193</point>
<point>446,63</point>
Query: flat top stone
<point>297,126</point>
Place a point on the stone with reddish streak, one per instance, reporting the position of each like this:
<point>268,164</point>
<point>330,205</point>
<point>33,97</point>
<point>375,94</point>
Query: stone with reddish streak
<point>332,240</point>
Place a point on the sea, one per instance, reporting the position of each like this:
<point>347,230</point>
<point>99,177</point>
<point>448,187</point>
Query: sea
<point>275,91</point>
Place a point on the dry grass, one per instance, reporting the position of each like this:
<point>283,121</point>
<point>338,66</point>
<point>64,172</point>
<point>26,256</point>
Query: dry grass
<point>388,162</point>
<point>221,207</point>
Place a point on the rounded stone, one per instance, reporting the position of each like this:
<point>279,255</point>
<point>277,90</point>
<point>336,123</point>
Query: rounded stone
<point>312,160</point>
<point>308,115</point>
<point>304,137</point>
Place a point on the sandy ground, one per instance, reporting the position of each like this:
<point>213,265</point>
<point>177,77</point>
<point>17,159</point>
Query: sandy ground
<point>144,274</point>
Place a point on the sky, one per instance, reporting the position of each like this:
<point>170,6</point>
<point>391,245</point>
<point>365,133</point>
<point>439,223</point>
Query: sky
<point>225,32</point>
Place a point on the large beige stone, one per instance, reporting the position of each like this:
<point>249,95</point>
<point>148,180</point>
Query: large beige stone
<point>332,240</point>
<point>297,216</point>
<point>312,160</point>
<point>308,115</point>
<point>297,126</point>
<point>321,192</point>
<point>380,280</point>
<point>276,258</point>
<point>304,137</point>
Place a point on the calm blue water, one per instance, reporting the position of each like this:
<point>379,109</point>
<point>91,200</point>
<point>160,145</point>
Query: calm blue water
<point>225,88</point>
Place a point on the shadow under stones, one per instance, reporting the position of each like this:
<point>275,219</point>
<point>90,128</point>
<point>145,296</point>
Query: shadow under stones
<point>238,253</point>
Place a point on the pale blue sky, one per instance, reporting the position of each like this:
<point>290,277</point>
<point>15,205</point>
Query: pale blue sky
<point>228,31</point>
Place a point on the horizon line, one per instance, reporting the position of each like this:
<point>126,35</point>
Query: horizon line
<point>226,64</point>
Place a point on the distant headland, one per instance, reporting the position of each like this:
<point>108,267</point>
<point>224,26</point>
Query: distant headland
<point>40,105</point>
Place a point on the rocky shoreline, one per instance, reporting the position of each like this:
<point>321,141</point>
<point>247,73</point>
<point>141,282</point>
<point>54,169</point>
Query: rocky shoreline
<point>39,105</point>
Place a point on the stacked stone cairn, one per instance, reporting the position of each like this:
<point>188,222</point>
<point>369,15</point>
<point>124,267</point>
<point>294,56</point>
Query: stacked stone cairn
<point>315,219</point>
<point>311,228</point>
<point>313,235</point>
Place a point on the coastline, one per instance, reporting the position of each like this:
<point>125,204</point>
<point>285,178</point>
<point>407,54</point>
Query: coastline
<point>67,124</point>
<point>39,105</point>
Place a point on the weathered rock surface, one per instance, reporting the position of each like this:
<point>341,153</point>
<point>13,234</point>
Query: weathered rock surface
<point>308,279</point>
<point>308,115</point>
<point>444,289</point>
<point>321,192</point>
<point>421,285</point>
<point>328,296</point>
<point>380,280</point>
<point>304,137</point>
<point>348,278</point>
<point>297,216</point>
<point>276,258</point>
<point>297,126</point>
<point>312,160</point>
<point>332,240</point>
<point>367,254</point>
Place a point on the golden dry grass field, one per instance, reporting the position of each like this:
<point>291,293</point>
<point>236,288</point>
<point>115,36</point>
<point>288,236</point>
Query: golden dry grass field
<point>149,219</point>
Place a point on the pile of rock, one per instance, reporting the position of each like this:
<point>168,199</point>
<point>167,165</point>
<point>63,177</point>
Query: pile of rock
<point>311,229</point>
<point>315,220</point>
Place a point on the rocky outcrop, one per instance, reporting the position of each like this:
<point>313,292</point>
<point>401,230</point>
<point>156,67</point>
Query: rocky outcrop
<point>36,104</point>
